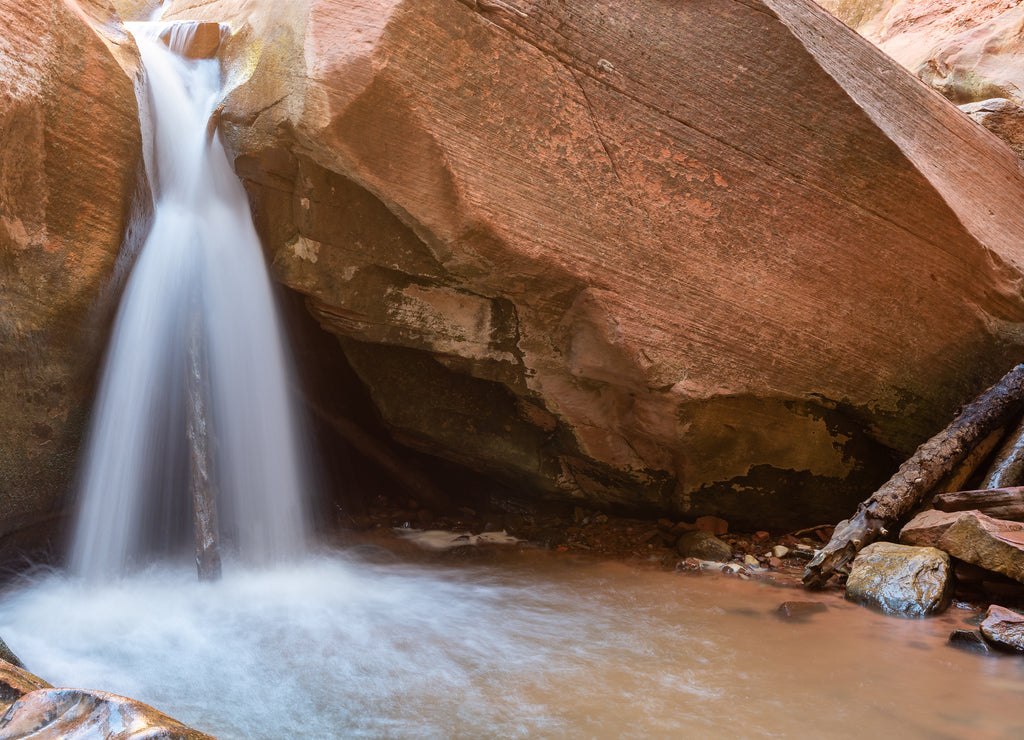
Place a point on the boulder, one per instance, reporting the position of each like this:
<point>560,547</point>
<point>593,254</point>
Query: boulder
<point>703,546</point>
<point>1004,628</point>
<point>69,172</point>
<point>694,258</point>
<point>899,579</point>
<point>993,544</point>
<point>926,528</point>
<point>72,714</point>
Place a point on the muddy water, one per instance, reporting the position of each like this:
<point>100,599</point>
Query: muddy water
<point>367,643</point>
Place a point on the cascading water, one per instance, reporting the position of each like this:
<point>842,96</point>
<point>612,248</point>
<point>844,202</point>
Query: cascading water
<point>195,390</point>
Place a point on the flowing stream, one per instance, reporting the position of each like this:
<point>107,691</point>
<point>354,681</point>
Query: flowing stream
<point>366,643</point>
<point>196,380</point>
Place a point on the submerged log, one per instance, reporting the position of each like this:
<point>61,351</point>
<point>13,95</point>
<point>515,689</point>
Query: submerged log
<point>418,485</point>
<point>1000,503</point>
<point>918,476</point>
<point>1008,467</point>
<point>204,504</point>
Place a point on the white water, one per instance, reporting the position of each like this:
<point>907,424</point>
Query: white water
<point>348,646</point>
<point>201,264</point>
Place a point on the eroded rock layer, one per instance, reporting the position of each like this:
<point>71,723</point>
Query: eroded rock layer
<point>69,161</point>
<point>714,257</point>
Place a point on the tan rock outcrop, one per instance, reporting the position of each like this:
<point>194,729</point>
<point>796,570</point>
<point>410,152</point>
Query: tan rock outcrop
<point>969,51</point>
<point>712,257</point>
<point>68,169</point>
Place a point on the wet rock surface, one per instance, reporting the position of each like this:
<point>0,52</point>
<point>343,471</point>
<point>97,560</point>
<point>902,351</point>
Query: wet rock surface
<point>970,640</point>
<point>899,579</point>
<point>72,714</point>
<point>1004,628</point>
<point>15,682</point>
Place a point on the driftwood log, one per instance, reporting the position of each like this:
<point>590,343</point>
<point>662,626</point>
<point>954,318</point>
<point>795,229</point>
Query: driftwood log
<point>200,443</point>
<point>1007,468</point>
<point>965,470</point>
<point>418,485</point>
<point>933,461</point>
<point>998,503</point>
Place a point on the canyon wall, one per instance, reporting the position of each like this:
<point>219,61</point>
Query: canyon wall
<point>69,170</point>
<point>720,257</point>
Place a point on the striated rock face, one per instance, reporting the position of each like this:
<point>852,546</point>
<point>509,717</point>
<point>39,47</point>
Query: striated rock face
<point>716,257</point>
<point>968,50</point>
<point>68,167</point>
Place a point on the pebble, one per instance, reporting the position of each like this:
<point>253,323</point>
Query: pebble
<point>751,561</point>
<point>780,551</point>
<point>800,609</point>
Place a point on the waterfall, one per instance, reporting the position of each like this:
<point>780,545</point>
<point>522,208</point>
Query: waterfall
<point>196,372</point>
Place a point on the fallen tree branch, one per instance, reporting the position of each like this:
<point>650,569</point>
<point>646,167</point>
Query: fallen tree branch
<point>998,503</point>
<point>957,479</point>
<point>918,476</point>
<point>1008,467</point>
<point>418,485</point>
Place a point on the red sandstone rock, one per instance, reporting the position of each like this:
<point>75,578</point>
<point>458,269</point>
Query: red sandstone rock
<point>72,714</point>
<point>993,544</point>
<point>713,257</point>
<point>1004,628</point>
<point>925,529</point>
<point>69,163</point>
